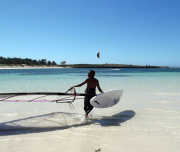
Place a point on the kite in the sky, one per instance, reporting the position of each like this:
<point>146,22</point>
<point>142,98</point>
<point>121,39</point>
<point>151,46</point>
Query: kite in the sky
<point>98,55</point>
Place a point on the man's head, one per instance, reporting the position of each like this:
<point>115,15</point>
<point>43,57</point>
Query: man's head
<point>91,73</point>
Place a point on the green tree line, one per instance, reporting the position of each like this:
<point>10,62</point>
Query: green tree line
<point>27,61</point>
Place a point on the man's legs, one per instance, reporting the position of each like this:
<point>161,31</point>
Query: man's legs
<point>87,106</point>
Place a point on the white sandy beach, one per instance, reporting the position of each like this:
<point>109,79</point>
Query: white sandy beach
<point>31,67</point>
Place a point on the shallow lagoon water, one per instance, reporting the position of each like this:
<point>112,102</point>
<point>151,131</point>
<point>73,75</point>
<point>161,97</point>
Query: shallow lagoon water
<point>146,118</point>
<point>134,82</point>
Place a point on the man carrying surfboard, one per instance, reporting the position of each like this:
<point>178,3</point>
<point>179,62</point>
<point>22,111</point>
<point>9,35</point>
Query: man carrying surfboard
<point>90,91</point>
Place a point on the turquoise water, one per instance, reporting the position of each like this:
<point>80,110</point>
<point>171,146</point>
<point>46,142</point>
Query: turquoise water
<point>59,80</point>
<point>145,90</point>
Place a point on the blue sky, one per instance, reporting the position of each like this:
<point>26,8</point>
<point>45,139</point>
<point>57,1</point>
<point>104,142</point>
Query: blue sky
<point>139,32</point>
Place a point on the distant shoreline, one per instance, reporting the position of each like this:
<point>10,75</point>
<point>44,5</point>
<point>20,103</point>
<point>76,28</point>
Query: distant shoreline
<point>79,66</point>
<point>30,67</point>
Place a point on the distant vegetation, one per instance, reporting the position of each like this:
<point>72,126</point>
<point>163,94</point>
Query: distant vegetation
<point>26,61</point>
<point>43,62</point>
<point>110,66</point>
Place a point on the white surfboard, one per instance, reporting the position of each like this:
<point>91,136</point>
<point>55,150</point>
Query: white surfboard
<point>106,99</point>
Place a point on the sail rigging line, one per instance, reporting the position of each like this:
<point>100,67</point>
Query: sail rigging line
<point>8,97</point>
<point>74,94</point>
<point>33,96</point>
<point>37,98</point>
<point>71,106</point>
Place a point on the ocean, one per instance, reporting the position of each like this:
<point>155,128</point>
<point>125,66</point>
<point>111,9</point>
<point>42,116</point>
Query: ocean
<point>165,80</point>
<point>144,89</point>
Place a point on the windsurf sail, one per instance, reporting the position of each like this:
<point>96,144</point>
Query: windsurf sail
<point>57,97</point>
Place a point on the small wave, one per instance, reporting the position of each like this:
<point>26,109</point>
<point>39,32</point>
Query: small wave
<point>115,69</point>
<point>108,75</point>
<point>166,93</point>
<point>9,114</point>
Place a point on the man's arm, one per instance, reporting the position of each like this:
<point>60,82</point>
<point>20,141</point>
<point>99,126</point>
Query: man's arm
<point>99,88</point>
<point>79,85</point>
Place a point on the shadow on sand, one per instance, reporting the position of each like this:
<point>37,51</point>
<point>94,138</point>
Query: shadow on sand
<point>116,119</point>
<point>46,123</point>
